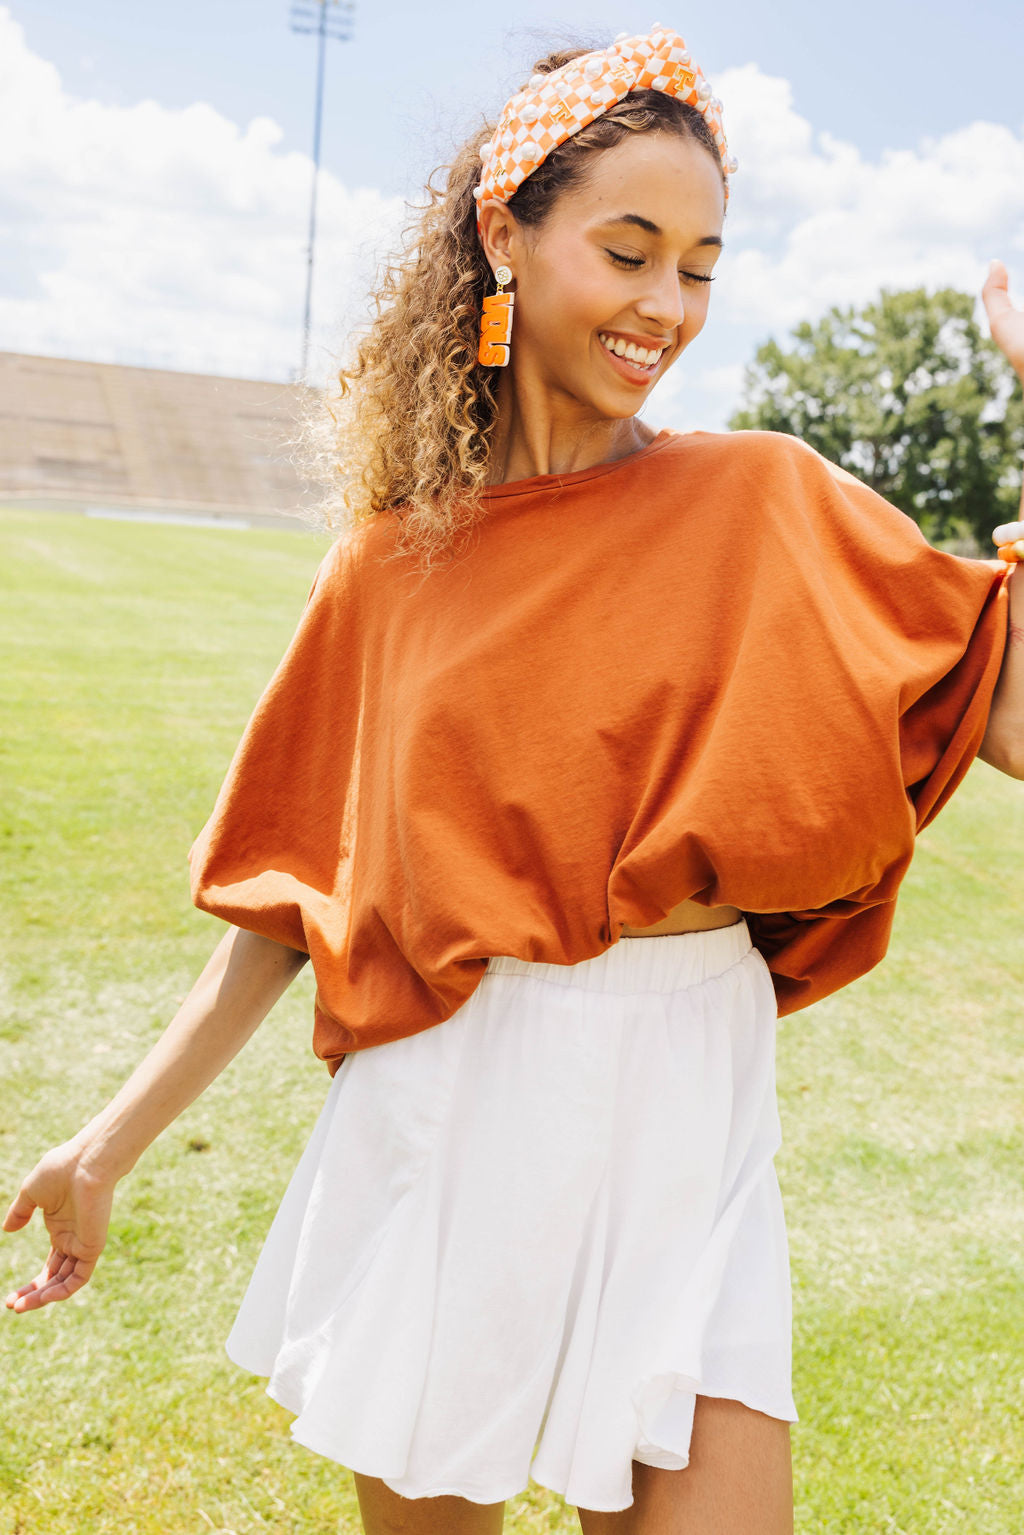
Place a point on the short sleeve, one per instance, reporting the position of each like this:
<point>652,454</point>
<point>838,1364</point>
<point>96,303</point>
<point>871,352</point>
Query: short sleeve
<point>274,856</point>
<point>921,635</point>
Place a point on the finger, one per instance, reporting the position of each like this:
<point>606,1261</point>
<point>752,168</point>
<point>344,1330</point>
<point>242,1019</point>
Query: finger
<point>20,1212</point>
<point>996,292</point>
<point>43,1277</point>
<point>55,1290</point>
<point>12,1301</point>
<point>56,1266</point>
<point>1007,532</point>
<point>25,1299</point>
<point>45,1288</point>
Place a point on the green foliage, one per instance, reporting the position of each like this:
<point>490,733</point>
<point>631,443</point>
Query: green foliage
<point>907,394</point>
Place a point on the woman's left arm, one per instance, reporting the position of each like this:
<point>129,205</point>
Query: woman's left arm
<point>1003,743</point>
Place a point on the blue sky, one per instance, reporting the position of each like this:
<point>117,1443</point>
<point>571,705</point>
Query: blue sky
<point>155,164</point>
<point>881,75</point>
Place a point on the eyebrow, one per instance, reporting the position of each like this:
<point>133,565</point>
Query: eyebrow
<point>653,229</point>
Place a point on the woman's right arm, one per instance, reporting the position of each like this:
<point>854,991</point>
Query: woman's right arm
<point>74,1183</point>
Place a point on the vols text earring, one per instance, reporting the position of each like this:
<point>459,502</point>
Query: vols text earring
<point>496,323</point>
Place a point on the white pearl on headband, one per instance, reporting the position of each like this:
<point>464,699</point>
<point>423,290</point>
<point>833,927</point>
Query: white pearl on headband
<point>529,150</point>
<point>536,81</point>
<point>621,37</point>
<point>716,105</point>
<point>529,113</point>
<point>478,192</point>
<point>684,57</point>
<point>485,152</point>
<point>732,165</point>
<point>592,68</point>
<point>704,91</point>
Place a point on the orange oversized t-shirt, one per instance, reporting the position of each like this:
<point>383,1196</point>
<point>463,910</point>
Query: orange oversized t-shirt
<point>721,669</point>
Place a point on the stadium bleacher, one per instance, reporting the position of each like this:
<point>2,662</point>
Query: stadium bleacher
<point>108,439</point>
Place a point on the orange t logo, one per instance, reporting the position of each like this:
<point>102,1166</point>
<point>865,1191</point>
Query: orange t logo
<point>495,330</point>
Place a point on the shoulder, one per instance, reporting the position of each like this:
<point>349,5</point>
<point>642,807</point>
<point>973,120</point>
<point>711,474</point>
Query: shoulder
<point>342,561</point>
<point>765,474</point>
<point>777,470</point>
<point>330,601</point>
<point>771,485</point>
<point>758,464</point>
<point>757,450</point>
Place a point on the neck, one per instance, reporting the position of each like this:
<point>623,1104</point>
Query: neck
<point>531,437</point>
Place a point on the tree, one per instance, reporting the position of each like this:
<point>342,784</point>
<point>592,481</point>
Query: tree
<point>907,394</point>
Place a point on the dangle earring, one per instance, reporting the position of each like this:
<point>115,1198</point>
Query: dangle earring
<point>496,323</point>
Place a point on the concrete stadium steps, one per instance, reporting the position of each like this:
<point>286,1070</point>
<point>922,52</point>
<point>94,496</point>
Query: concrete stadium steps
<point>97,435</point>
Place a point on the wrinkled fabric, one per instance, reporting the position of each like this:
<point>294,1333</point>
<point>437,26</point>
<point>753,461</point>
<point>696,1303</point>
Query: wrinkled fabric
<point>521,1244</point>
<point>721,669</point>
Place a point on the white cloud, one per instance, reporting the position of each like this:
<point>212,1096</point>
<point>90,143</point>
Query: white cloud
<point>811,223</point>
<point>177,238</point>
<point>695,395</point>
<point>143,234</point>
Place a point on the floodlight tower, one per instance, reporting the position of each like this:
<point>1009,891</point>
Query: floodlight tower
<point>325,18</point>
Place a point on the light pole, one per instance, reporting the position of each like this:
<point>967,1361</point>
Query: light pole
<point>325,18</point>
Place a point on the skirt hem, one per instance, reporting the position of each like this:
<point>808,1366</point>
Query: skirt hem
<point>785,1413</point>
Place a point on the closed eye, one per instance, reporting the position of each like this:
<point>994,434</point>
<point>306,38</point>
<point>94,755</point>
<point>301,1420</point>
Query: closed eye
<point>636,261</point>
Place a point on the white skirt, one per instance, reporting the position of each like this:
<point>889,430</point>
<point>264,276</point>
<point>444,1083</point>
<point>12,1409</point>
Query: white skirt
<point>520,1243</point>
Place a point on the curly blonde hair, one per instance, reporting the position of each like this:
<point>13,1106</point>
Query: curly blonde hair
<point>409,430</point>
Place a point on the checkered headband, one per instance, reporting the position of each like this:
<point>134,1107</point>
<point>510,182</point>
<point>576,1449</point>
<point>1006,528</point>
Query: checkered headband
<point>552,107</point>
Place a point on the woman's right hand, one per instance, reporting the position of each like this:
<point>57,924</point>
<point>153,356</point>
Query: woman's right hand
<point>74,1183</point>
<point>76,1204</point>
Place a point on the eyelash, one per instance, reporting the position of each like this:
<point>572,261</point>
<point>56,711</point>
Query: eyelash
<point>634,262</point>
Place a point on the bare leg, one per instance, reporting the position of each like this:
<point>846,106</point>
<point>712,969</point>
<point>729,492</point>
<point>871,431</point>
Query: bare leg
<point>739,1481</point>
<point>386,1513</point>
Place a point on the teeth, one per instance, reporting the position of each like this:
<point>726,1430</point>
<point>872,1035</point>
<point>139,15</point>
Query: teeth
<point>630,351</point>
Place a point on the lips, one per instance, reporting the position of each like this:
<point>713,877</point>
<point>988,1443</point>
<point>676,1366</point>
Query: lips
<point>644,351</point>
<point>630,371</point>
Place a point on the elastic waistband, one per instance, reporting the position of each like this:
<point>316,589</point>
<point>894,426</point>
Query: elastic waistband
<point>663,963</point>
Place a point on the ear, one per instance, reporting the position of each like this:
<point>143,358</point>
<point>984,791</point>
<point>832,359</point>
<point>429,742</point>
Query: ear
<point>500,235</point>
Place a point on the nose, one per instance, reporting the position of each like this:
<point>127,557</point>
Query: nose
<point>662,299</point>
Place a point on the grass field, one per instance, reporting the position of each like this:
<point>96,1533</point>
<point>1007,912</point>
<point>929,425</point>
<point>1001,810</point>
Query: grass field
<point>131,656</point>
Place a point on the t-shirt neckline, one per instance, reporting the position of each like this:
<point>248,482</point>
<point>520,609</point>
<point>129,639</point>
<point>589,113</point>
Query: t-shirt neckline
<point>539,482</point>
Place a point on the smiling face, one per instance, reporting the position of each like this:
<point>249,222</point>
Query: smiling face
<point>624,260</point>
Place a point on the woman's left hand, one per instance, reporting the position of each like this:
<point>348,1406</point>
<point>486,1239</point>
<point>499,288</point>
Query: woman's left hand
<point>1006,321</point>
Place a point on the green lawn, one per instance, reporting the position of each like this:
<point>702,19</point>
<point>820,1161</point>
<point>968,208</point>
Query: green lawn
<point>131,656</point>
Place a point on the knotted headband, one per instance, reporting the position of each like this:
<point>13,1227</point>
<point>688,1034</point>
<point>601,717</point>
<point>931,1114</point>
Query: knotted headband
<point>552,107</point>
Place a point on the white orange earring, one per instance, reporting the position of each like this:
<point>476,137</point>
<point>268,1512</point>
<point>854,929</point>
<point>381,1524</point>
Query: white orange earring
<point>496,323</point>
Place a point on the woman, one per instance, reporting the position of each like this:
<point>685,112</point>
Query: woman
<point>699,690</point>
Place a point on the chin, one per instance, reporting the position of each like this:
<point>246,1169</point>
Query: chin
<point>619,410</point>
<point>624,413</point>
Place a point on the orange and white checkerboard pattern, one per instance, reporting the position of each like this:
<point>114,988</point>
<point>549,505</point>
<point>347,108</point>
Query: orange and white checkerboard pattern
<point>551,108</point>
